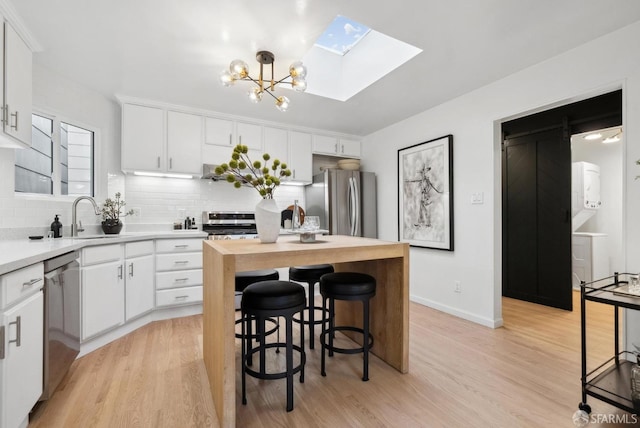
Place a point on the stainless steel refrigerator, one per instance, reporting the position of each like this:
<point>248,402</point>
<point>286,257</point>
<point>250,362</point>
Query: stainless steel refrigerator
<point>345,201</point>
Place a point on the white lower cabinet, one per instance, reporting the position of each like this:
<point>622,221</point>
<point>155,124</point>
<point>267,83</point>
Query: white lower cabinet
<point>21,344</point>
<point>178,271</point>
<point>102,297</point>
<point>139,286</point>
<point>117,285</point>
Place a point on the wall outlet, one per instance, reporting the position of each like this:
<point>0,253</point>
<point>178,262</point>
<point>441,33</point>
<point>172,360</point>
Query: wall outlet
<point>137,212</point>
<point>457,287</point>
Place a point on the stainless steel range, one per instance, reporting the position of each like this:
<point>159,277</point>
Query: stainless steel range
<point>229,224</point>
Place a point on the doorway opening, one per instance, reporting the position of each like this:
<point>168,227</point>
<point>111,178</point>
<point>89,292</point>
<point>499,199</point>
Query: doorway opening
<point>538,201</point>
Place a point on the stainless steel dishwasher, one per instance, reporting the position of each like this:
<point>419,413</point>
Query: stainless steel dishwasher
<point>61,318</point>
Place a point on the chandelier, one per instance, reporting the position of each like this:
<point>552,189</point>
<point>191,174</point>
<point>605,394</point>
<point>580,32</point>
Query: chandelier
<point>239,70</point>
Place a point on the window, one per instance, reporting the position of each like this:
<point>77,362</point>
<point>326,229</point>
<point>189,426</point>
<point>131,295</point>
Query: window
<point>58,163</point>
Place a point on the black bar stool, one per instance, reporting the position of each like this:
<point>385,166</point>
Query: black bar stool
<point>243,280</point>
<point>346,286</point>
<point>309,275</point>
<point>262,300</point>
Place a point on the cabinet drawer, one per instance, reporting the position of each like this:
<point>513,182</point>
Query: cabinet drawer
<point>178,261</point>
<point>179,296</point>
<point>135,249</point>
<point>186,278</point>
<point>100,254</point>
<point>20,283</point>
<point>178,245</point>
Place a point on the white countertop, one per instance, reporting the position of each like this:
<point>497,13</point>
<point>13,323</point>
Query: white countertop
<point>18,253</point>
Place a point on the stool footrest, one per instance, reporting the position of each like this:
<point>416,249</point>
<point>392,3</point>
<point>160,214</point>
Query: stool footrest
<point>279,375</point>
<point>344,350</point>
<point>315,321</point>
<point>266,333</point>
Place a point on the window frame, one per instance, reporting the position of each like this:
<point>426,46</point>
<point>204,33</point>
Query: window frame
<point>58,119</point>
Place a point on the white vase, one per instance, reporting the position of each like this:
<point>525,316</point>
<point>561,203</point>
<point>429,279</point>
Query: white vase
<point>268,220</point>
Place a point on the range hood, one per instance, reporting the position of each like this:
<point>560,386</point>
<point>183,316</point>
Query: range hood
<point>209,172</point>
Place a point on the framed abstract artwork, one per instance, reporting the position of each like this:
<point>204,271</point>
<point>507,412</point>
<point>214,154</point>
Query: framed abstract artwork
<point>425,194</point>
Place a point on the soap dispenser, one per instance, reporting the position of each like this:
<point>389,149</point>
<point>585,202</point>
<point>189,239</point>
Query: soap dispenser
<point>56,227</point>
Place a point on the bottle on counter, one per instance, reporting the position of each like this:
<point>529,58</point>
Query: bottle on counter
<point>56,227</point>
<point>187,223</point>
<point>193,223</point>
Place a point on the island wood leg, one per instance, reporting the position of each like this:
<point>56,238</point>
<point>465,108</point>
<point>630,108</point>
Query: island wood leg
<point>218,332</point>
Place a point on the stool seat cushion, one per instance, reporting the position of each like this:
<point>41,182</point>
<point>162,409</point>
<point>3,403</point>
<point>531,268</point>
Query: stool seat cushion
<point>244,279</point>
<point>309,273</point>
<point>270,295</point>
<point>347,283</point>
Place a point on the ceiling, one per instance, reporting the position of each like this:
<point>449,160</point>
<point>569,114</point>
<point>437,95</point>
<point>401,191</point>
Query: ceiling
<point>173,51</point>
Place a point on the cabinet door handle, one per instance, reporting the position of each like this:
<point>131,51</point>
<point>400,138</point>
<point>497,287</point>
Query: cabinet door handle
<point>4,114</point>
<point>131,270</point>
<point>16,125</point>
<point>180,279</point>
<point>18,323</point>
<point>181,262</point>
<point>1,342</point>
<point>342,148</point>
<point>170,163</point>
<point>335,148</point>
<point>30,283</point>
<point>294,173</point>
<point>158,161</point>
<point>181,297</point>
<point>239,139</point>
<point>230,139</point>
<point>181,246</point>
<point>120,272</point>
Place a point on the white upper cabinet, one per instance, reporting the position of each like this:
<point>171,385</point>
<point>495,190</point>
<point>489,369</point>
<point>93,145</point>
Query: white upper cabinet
<point>349,148</point>
<point>300,157</point>
<point>156,140</point>
<point>142,138</point>
<point>16,96</point>
<point>332,146</point>
<point>218,132</point>
<point>184,142</point>
<point>250,135</point>
<point>276,143</point>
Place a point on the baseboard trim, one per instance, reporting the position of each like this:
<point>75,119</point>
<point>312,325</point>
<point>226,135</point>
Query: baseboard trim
<point>469,316</point>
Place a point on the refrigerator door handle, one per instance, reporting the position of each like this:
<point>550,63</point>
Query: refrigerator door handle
<point>356,214</point>
<point>352,206</point>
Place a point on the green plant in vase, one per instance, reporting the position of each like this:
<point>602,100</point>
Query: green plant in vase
<point>112,210</point>
<point>240,170</point>
<point>265,178</point>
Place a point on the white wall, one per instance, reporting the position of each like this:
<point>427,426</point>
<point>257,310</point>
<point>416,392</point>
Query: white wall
<point>474,120</point>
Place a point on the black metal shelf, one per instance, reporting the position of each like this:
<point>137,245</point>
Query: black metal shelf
<point>611,381</point>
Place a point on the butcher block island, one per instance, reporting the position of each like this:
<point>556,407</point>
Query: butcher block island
<point>388,262</point>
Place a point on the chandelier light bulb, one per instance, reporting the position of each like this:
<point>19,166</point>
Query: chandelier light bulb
<point>299,84</point>
<point>226,79</point>
<point>255,95</point>
<point>297,70</point>
<point>282,103</point>
<point>238,69</point>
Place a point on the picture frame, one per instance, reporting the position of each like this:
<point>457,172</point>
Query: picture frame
<point>425,194</point>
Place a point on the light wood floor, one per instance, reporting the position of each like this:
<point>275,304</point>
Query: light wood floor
<point>526,374</point>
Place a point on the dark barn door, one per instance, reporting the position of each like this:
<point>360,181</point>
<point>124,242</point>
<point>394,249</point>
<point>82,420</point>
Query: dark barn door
<point>536,219</point>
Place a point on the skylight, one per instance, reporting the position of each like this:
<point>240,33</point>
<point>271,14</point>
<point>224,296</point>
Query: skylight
<point>371,56</point>
<point>342,35</point>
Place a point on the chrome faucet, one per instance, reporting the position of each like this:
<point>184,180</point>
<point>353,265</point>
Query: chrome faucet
<point>74,227</point>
